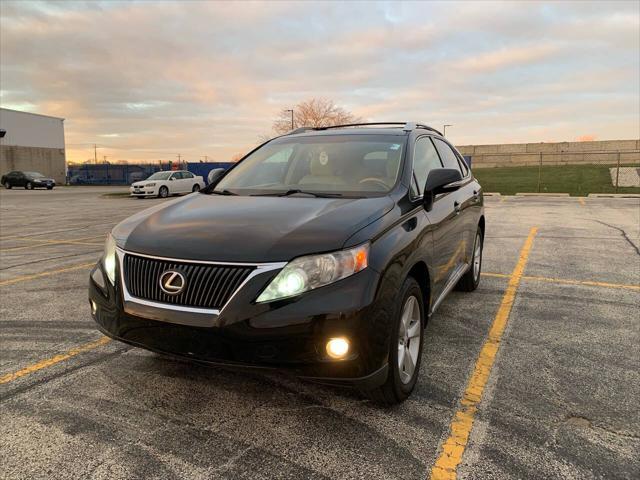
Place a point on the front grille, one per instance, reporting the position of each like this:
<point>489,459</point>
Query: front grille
<point>206,286</point>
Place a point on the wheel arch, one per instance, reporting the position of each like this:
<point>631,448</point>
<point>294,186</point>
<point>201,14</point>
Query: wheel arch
<point>420,273</point>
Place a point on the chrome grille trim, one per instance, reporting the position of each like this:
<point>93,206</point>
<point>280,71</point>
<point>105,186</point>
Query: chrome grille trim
<point>129,299</point>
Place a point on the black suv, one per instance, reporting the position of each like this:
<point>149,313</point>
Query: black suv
<point>322,252</point>
<point>28,180</point>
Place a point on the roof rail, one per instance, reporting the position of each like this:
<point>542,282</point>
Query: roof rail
<point>408,126</point>
<point>300,130</point>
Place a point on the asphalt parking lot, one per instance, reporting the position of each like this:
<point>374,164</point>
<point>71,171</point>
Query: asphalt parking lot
<point>534,375</point>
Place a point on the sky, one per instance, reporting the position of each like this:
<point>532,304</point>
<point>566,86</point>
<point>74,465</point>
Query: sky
<point>153,80</point>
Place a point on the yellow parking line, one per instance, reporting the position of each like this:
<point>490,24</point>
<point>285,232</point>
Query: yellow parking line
<point>566,281</point>
<point>583,282</point>
<point>44,243</point>
<point>61,239</point>
<point>53,360</point>
<point>45,274</point>
<point>499,275</point>
<point>453,448</point>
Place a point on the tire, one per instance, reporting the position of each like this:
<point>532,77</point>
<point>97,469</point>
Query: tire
<point>7,185</point>
<point>29,186</point>
<point>163,192</point>
<point>196,188</point>
<point>401,380</point>
<point>49,188</point>
<point>470,280</point>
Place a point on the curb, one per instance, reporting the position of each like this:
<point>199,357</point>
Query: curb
<point>614,195</point>
<point>542,195</point>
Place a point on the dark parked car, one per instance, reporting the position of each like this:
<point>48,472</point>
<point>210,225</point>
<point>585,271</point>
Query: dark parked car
<point>323,252</point>
<point>28,180</point>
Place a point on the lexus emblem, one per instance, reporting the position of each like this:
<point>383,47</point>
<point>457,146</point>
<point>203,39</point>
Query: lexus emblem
<point>172,282</point>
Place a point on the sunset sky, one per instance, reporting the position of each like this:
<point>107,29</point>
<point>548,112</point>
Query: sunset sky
<point>150,80</point>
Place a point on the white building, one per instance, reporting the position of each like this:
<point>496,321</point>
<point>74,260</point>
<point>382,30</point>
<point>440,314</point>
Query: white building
<point>32,142</point>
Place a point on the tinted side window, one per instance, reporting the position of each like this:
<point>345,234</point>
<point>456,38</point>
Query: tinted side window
<point>449,158</point>
<point>177,176</point>
<point>425,159</point>
<point>187,175</point>
<point>463,165</point>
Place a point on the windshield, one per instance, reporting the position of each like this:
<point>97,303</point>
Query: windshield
<point>349,165</point>
<point>160,176</point>
<point>34,174</point>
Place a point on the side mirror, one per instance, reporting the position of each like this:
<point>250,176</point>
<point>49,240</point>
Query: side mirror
<point>171,179</point>
<point>440,180</point>
<point>214,175</point>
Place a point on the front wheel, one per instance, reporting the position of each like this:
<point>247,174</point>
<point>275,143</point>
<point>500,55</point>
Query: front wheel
<point>163,192</point>
<point>29,186</point>
<point>7,185</point>
<point>470,281</point>
<point>49,188</point>
<point>196,188</point>
<point>405,347</point>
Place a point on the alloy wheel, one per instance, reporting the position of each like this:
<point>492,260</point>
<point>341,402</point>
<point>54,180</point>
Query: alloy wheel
<point>409,338</point>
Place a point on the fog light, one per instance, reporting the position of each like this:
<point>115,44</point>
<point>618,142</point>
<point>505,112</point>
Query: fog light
<point>337,347</point>
<point>94,307</point>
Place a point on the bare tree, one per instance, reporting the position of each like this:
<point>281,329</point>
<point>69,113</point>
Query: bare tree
<point>316,112</point>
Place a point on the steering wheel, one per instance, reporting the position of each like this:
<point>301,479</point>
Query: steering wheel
<point>377,181</point>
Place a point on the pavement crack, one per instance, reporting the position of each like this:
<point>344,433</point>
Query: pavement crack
<point>624,235</point>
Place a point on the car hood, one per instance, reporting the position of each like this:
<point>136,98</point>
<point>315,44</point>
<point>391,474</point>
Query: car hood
<point>142,183</point>
<point>247,229</point>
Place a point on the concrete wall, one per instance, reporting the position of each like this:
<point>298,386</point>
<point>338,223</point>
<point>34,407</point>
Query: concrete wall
<point>31,130</point>
<point>48,161</point>
<point>32,143</point>
<point>561,153</point>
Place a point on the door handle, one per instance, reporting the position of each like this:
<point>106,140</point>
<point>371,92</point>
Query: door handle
<point>456,207</point>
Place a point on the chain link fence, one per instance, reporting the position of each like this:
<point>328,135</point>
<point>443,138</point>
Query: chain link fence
<point>575,173</point>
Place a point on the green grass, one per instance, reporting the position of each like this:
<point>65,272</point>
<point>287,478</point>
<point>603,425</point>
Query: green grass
<point>576,180</point>
<point>116,194</point>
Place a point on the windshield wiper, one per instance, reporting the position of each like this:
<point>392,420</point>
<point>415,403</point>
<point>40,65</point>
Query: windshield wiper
<point>223,192</point>
<point>297,190</point>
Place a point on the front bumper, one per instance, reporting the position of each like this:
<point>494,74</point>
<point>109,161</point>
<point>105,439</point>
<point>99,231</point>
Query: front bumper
<point>143,191</point>
<point>290,334</point>
<point>39,184</point>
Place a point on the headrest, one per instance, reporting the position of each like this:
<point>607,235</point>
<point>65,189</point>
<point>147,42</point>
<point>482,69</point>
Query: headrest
<point>321,165</point>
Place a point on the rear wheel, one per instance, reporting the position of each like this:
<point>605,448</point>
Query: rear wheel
<point>196,188</point>
<point>405,347</point>
<point>49,188</point>
<point>7,185</point>
<point>29,186</point>
<point>470,281</point>
<point>163,192</point>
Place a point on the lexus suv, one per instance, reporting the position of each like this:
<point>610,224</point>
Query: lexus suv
<point>322,252</point>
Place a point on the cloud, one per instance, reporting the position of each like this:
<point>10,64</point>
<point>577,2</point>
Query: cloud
<point>151,80</point>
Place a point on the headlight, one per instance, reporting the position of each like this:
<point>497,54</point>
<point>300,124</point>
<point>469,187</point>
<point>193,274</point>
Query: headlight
<point>150,185</point>
<point>306,273</point>
<point>109,259</point>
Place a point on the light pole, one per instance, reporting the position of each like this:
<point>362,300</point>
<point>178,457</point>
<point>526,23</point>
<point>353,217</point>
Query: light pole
<point>444,130</point>
<point>291,117</point>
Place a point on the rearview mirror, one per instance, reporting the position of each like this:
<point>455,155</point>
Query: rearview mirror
<point>214,175</point>
<point>440,180</point>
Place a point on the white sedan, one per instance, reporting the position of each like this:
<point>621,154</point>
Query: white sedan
<point>163,184</point>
